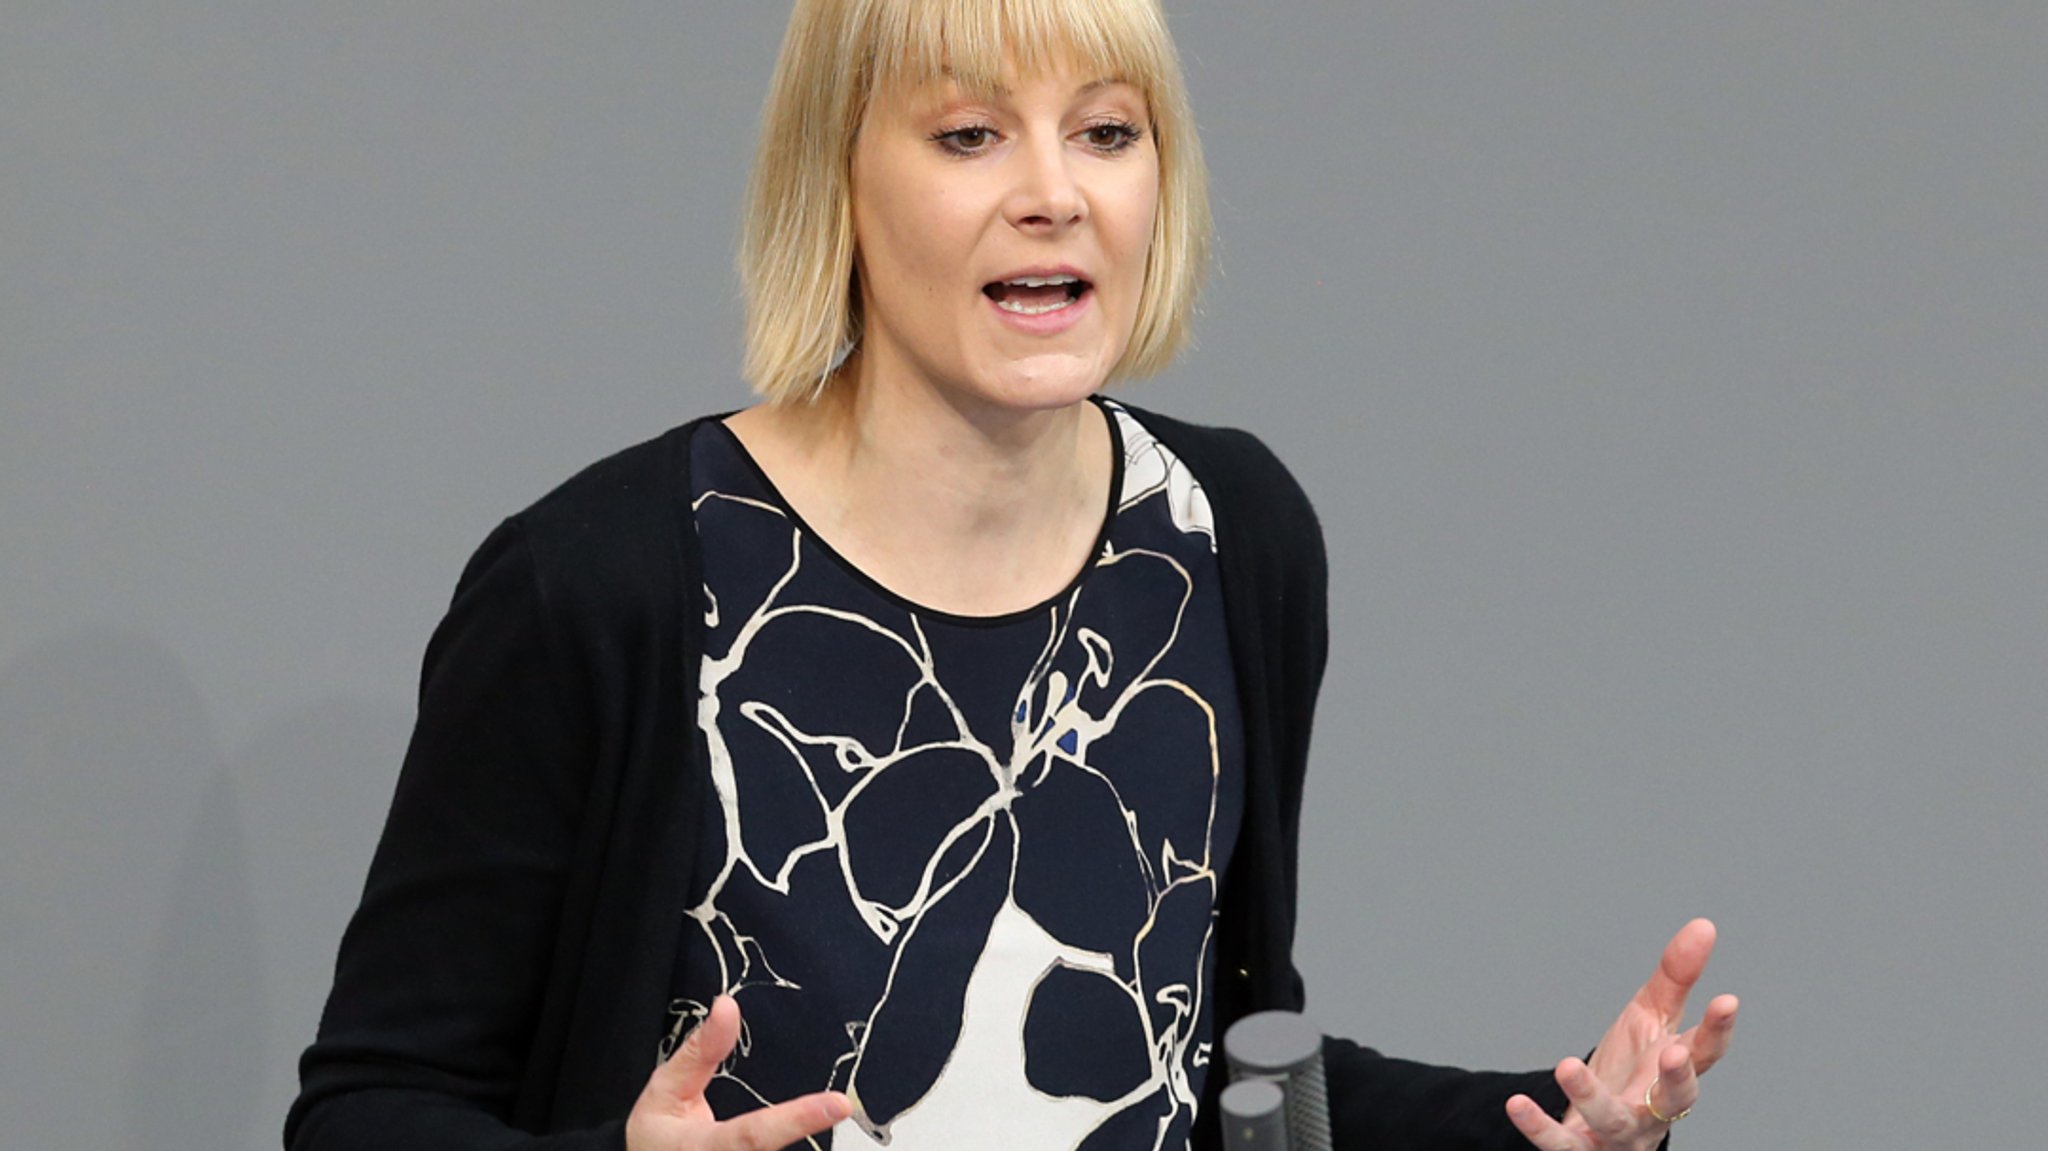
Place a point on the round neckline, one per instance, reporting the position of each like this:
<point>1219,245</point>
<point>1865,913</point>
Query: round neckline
<point>922,611</point>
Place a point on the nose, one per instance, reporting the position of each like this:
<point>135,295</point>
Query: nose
<point>1047,198</point>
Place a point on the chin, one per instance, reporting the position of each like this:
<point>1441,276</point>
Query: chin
<point>1048,381</point>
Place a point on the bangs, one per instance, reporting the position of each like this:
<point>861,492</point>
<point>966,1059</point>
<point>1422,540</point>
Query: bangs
<point>912,42</point>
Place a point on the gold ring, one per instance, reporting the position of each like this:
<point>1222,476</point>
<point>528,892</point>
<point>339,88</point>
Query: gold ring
<point>1667,1120</point>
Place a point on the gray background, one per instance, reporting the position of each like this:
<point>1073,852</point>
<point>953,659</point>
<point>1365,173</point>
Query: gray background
<point>1669,378</point>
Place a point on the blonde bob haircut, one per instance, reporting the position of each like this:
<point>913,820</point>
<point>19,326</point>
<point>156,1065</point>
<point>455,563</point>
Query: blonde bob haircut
<point>797,248</point>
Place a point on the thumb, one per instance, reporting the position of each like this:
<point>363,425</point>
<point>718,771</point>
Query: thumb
<point>683,1077</point>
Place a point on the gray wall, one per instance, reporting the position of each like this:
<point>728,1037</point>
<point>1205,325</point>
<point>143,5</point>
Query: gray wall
<point>1669,378</point>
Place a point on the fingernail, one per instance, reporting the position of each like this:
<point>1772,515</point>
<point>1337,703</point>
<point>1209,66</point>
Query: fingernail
<point>837,1106</point>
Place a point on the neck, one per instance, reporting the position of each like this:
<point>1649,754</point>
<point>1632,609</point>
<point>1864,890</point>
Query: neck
<point>959,465</point>
<point>963,505</point>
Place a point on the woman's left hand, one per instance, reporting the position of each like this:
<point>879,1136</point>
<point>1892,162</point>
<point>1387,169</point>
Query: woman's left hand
<point>1645,1074</point>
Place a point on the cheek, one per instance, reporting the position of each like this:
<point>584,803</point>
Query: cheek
<point>1137,210</point>
<point>892,272</point>
<point>1132,255</point>
<point>918,243</point>
<point>941,228</point>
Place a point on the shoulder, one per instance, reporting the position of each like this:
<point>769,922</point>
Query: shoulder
<point>1256,498</point>
<point>604,553</point>
<point>617,520</point>
<point>621,501</point>
<point>1229,448</point>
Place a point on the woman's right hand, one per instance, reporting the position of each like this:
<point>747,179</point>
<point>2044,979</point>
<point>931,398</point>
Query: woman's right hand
<point>671,1114</point>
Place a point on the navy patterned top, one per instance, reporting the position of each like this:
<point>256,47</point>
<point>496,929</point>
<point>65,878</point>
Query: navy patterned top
<point>964,869</point>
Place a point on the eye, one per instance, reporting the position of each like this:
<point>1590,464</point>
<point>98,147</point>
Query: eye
<point>968,141</point>
<point>1112,136</point>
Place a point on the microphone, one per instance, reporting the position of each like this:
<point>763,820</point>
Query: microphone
<point>1254,1116</point>
<point>1284,1049</point>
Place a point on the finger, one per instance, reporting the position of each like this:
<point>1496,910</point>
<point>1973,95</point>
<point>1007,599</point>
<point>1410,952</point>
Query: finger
<point>1540,1129</point>
<point>1676,1087</point>
<point>772,1128</point>
<point>1684,958</point>
<point>696,1060</point>
<point>1709,1041</point>
<point>1602,1110</point>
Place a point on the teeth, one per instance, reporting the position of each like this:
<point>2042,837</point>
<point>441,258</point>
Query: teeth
<point>1026,310</point>
<point>1043,281</point>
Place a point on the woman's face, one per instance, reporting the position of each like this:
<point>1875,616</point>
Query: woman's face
<point>1001,242</point>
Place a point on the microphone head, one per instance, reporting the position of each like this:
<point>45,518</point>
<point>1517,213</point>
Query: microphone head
<point>1271,1044</point>
<point>1254,1116</point>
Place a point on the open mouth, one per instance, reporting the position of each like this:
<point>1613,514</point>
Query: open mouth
<point>1036,295</point>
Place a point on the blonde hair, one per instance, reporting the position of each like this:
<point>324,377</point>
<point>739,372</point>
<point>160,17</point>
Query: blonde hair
<point>797,247</point>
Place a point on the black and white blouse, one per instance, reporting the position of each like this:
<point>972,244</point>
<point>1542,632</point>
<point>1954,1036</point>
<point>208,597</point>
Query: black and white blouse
<point>964,869</point>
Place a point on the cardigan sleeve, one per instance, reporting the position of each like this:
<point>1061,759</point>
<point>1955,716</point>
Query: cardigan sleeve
<point>1393,1104</point>
<point>441,974</point>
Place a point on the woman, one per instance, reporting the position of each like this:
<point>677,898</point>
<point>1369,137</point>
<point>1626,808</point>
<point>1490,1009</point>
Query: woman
<point>947,719</point>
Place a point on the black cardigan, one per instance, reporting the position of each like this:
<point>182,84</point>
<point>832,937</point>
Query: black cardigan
<point>503,984</point>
